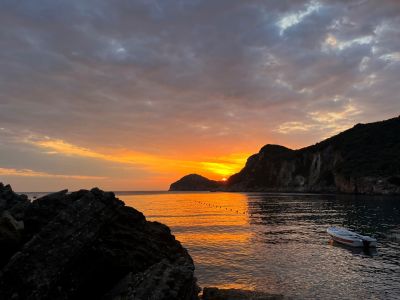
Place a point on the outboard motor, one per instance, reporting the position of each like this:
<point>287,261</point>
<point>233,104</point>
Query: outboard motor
<point>366,244</point>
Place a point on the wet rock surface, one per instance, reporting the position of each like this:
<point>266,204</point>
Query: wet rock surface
<point>88,245</point>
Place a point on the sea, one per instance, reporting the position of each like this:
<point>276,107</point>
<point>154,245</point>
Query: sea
<point>277,243</point>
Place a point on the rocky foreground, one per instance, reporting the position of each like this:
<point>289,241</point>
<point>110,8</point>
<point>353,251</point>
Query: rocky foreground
<point>87,245</point>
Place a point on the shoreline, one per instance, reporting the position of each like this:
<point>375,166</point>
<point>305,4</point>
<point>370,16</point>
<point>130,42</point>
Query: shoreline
<point>50,223</point>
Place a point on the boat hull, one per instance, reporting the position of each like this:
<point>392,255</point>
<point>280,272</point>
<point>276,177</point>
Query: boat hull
<point>351,239</point>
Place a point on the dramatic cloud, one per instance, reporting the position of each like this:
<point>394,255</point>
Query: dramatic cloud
<point>31,173</point>
<point>141,92</point>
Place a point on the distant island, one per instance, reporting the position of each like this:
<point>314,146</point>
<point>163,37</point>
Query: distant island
<point>364,159</point>
<point>195,182</point>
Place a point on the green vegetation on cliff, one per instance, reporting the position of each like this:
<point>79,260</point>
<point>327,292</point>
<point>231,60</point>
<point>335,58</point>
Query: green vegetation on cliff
<point>363,159</point>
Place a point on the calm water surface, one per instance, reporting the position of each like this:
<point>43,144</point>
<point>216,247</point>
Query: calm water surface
<point>278,243</point>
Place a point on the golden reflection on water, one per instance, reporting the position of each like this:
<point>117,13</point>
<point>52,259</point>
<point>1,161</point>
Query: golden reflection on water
<point>195,212</point>
<point>278,243</point>
<point>207,220</point>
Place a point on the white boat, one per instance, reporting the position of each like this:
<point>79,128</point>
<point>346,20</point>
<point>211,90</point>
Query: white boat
<point>349,238</point>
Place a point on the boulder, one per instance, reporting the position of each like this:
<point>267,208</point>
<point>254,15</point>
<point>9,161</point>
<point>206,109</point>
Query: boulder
<point>14,203</point>
<point>11,232</point>
<point>89,245</point>
<point>12,211</point>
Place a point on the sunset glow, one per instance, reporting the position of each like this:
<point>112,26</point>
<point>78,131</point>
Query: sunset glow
<point>212,167</point>
<point>134,96</point>
<point>199,149</point>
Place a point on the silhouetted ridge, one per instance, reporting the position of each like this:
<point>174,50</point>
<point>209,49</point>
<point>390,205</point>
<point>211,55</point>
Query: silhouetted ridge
<point>271,149</point>
<point>195,182</point>
<point>363,159</point>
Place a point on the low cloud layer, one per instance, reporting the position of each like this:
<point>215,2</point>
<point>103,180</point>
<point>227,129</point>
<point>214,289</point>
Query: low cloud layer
<point>184,84</point>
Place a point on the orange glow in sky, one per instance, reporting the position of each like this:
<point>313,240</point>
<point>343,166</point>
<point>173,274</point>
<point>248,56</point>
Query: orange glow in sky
<point>136,103</point>
<point>164,169</point>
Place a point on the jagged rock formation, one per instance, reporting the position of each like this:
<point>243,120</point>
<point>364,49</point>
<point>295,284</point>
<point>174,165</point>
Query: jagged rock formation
<point>10,201</point>
<point>194,182</point>
<point>363,159</point>
<point>12,211</point>
<point>88,245</point>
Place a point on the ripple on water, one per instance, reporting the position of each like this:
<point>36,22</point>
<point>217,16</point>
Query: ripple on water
<point>278,243</point>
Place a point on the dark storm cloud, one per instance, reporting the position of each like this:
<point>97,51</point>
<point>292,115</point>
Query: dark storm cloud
<point>150,75</point>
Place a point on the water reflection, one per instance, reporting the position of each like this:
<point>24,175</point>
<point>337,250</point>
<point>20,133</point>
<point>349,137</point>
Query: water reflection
<point>356,250</point>
<point>278,242</point>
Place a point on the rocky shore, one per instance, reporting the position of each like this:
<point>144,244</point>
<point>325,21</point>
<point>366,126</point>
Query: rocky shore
<point>88,245</point>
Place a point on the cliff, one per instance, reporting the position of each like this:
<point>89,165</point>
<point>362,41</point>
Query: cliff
<point>364,159</point>
<point>88,245</point>
<point>194,182</point>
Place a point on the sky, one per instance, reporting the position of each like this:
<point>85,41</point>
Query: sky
<point>132,95</point>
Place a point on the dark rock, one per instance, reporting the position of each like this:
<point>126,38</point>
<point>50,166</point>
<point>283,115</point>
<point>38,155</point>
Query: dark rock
<point>164,280</point>
<point>14,203</point>
<point>12,211</point>
<point>42,210</point>
<point>194,182</point>
<point>89,245</point>
<point>10,236</point>
<point>213,293</point>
